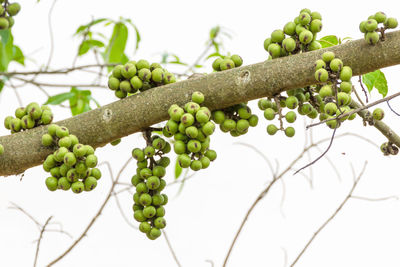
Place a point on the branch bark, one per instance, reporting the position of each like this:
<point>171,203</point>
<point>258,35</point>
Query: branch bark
<point>132,114</point>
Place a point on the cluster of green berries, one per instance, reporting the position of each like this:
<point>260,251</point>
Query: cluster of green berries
<point>370,27</point>
<point>72,165</point>
<point>29,117</point>
<point>7,11</point>
<point>270,108</point>
<point>389,148</point>
<point>191,128</point>
<point>236,119</point>
<point>227,62</point>
<point>148,207</point>
<point>138,76</point>
<point>297,35</point>
<point>335,88</point>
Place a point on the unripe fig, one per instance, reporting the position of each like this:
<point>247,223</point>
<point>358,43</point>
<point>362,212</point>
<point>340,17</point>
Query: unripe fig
<point>304,18</point>
<point>184,160</point>
<point>371,25</point>
<point>291,116</point>
<point>328,56</point>
<point>217,62</point>
<point>274,50</point>
<point>198,97</point>
<point>4,24</point>
<point>13,9</point>
<point>64,142</point>
<point>62,132</point>
<point>391,23</point>
<point>277,36</point>
<point>378,114</point>
<point>371,37</point>
<point>64,184</point>
<point>345,87</point>
<point>330,108</point>
<point>69,159</point>
<point>77,187</point>
<point>143,64</point>
<point>362,26</point>
<point>227,64</point>
<point>319,64</point>
<point>316,15</point>
<point>237,60</point>
<point>314,45</point>
<point>325,91</point>
<point>289,28</point>
<point>336,65</point>
<point>113,83</point>
<point>321,75</point>
<point>289,44</point>
<point>128,71</point>
<point>157,75</point>
<point>27,122</point>
<point>290,131</point>
<point>91,161</point>
<point>196,165</point>
<point>15,125</point>
<point>272,129</point>
<point>346,73</point>
<point>380,17</point>
<point>145,75</point>
<point>316,26</point>
<point>52,183</point>
<point>1,149</point>
<point>47,117</point>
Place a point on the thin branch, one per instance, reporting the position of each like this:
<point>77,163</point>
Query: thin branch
<point>51,35</point>
<point>40,239</point>
<point>94,218</point>
<point>170,248</point>
<point>363,89</point>
<point>58,85</point>
<point>375,199</point>
<point>331,217</point>
<point>387,102</point>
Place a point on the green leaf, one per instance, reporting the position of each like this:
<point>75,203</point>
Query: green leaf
<point>6,53</point>
<point>5,35</point>
<point>86,26</point>
<point>178,169</point>
<point>138,38</point>
<point>215,54</point>
<point>80,102</point>
<point>18,56</point>
<point>58,99</point>
<point>116,46</point>
<point>376,79</point>
<point>1,85</point>
<point>328,41</point>
<point>214,32</point>
<point>83,48</point>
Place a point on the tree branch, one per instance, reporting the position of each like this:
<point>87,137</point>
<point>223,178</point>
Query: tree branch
<point>132,114</point>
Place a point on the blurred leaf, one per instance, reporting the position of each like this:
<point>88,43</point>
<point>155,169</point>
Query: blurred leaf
<point>214,32</point>
<point>5,35</point>
<point>6,53</point>
<point>1,85</point>
<point>178,169</point>
<point>216,46</point>
<point>198,66</point>
<point>215,54</point>
<point>58,99</point>
<point>328,41</point>
<point>86,26</point>
<point>80,102</point>
<point>86,45</point>
<point>177,62</point>
<point>18,56</point>
<point>376,79</point>
<point>138,38</point>
<point>116,46</point>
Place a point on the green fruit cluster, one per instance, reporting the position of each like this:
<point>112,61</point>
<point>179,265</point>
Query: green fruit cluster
<point>296,36</point>
<point>271,111</point>
<point>29,117</point>
<point>148,207</point>
<point>191,128</point>
<point>138,76</point>
<point>389,148</point>
<point>371,28</point>
<point>334,89</point>
<point>72,165</point>
<point>7,12</point>
<point>236,119</point>
<point>227,62</point>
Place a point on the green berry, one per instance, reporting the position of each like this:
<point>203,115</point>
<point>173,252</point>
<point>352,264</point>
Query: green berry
<point>136,83</point>
<point>269,113</point>
<point>272,129</point>
<point>343,98</point>
<point>362,26</point>
<point>160,212</point>
<point>328,56</point>
<point>253,120</point>
<point>274,50</point>
<point>336,65</point>
<point>142,64</point>
<point>159,171</point>
<point>237,60</point>
<point>20,112</point>
<point>72,175</point>
<point>371,25</point>
<point>52,183</point>
<point>4,24</point>
<point>289,131</point>
<point>145,227</point>
<point>218,116</point>
<point>306,37</point>
<point>13,9</point>
<point>160,223</point>
<point>157,75</point>
<point>197,97</point>
<point>316,26</point>
<point>216,64</point>
<point>227,64</point>
<point>229,124</point>
<point>277,36</point>
<point>371,37</point>
<point>47,140</point>
<point>7,122</point>
<point>184,160</point>
<point>60,153</point>
<point>332,124</point>
<point>145,75</point>
<point>346,73</point>
<point>326,91</point>
<point>128,71</point>
<point>62,132</point>
<point>154,233</point>
<point>138,154</point>
<point>153,182</point>
<point>64,142</point>
<point>290,28</point>
<point>91,161</point>
<point>15,125</point>
<point>316,15</point>
<point>145,199</point>
<point>64,184</point>
<point>290,116</point>
<point>139,216</point>
<point>196,165</point>
<point>330,108</point>
<point>90,183</point>
<point>187,119</point>
<point>194,146</point>
<point>391,23</point>
<point>89,150</point>
<point>380,17</point>
<point>321,75</point>
<point>319,64</point>
<point>304,18</point>
<point>306,108</point>
<point>77,187</point>
<point>142,188</point>
<point>69,159</point>
<point>47,117</point>
<point>346,87</point>
<point>378,114</point>
<point>113,83</point>
<point>149,211</point>
<point>314,45</point>
<point>289,44</point>
<point>291,102</point>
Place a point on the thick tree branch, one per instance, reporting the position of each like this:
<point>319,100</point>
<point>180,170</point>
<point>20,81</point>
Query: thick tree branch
<point>132,114</point>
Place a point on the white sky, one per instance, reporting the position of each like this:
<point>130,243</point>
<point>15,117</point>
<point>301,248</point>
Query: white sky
<point>203,219</point>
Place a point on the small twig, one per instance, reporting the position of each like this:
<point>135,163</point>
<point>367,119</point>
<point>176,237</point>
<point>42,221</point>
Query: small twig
<point>51,35</point>
<point>278,105</point>
<point>331,217</point>
<point>58,85</point>
<point>363,89</point>
<point>387,102</point>
<point>375,199</point>
<point>327,149</point>
<point>40,239</point>
<point>170,248</point>
<point>211,262</point>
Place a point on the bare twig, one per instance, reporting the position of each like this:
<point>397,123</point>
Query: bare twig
<point>171,249</point>
<point>375,199</point>
<point>363,89</point>
<point>40,239</point>
<point>387,102</point>
<point>331,217</point>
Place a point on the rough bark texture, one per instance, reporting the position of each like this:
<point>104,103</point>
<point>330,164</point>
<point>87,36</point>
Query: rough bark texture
<point>124,117</point>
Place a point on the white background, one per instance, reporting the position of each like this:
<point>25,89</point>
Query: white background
<point>203,219</point>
